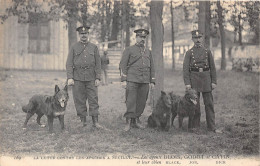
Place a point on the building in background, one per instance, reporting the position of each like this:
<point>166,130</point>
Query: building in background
<point>40,46</point>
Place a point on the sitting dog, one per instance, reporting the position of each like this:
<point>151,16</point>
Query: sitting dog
<point>184,106</point>
<point>161,116</point>
<point>51,106</point>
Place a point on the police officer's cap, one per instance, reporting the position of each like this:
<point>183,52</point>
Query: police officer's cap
<point>83,29</point>
<point>141,32</point>
<point>196,34</point>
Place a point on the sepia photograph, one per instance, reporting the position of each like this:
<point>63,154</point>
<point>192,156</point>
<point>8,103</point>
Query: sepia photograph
<point>129,82</point>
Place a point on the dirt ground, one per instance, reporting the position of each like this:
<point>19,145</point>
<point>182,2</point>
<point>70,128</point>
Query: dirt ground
<point>236,107</point>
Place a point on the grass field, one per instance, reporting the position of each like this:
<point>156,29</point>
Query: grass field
<point>236,107</point>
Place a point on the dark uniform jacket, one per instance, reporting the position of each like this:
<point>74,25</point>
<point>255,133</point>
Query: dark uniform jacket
<point>199,69</point>
<point>142,70</point>
<point>83,62</point>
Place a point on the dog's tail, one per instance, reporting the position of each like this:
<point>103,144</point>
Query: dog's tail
<point>29,107</point>
<point>151,122</point>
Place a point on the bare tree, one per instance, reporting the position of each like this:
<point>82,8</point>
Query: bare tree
<point>222,35</point>
<point>172,30</point>
<point>115,22</point>
<point>204,21</point>
<point>156,10</point>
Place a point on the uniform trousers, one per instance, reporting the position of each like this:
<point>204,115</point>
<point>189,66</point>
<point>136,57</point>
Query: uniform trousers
<point>136,97</point>
<point>84,91</point>
<point>209,109</point>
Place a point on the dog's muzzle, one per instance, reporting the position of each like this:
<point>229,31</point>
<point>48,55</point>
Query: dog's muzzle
<point>62,103</point>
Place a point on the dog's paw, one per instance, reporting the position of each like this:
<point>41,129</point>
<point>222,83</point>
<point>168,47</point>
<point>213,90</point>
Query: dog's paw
<point>52,134</point>
<point>42,125</point>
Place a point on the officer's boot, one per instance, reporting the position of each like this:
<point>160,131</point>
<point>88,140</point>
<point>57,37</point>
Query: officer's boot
<point>95,122</point>
<point>127,119</point>
<point>83,120</point>
<point>138,120</point>
<point>138,124</point>
<point>129,123</point>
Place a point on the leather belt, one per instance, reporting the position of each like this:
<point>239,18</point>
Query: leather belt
<point>144,69</point>
<point>199,69</point>
<point>85,67</point>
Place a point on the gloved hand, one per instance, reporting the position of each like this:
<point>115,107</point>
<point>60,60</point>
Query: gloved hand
<point>213,86</point>
<point>152,85</point>
<point>97,82</point>
<point>70,81</point>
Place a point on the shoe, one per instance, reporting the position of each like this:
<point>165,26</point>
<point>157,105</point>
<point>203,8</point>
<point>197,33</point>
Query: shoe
<point>95,122</point>
<point>218,131</point>
<point>129,123</point>
<point>138,124</point>
<point>84,121</point>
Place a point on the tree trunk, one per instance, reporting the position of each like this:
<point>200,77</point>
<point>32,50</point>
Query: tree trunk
<point>204,21</point>
<point>102,20</point>
<point>172,22</point>
<point>84,13</point>
<point>127,28</point>
<point>156,9</point>
<point>222,36</point>
<point>108,18</point>
<point>257,35</point>
<point>239,30</point>
<point>126,11</point>
<point>115,23</point>
<point>235,35</point>
<point>72,25</point>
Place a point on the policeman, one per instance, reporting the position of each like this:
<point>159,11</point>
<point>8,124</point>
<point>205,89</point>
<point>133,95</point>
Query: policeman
<point>199,73</point>
<point>137,72</point>
<point>83,72</point>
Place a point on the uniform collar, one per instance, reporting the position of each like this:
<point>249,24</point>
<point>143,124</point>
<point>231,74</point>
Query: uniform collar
<point>83,42</point>
<point>198,46</point>
<point>139,45</point>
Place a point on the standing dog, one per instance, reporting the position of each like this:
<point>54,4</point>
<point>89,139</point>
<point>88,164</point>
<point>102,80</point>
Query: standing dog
<point>184,106</point>
<point>51,106</point>
<point>161,116</point>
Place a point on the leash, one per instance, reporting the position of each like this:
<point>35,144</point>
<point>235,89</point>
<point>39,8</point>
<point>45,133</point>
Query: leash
<point>152,97</point>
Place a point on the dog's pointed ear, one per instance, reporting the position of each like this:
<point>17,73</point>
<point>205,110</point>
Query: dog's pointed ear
<point>65,87</point>
<point>48,99</point>
<point>163,93</point>
<point>57,89</point>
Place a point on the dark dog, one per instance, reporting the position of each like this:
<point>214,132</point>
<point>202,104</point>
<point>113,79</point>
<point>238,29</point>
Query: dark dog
<point>161,116</point>
<point>51,106</point>
<point>184,106</point>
